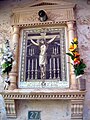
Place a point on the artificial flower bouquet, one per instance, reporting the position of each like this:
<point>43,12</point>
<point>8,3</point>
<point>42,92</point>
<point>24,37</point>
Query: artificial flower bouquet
<point>78,63</point>
<point>7,58</point>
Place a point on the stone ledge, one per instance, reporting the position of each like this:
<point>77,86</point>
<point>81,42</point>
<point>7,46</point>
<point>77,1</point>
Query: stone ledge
<point>44,94</point>
<point>76,98</point>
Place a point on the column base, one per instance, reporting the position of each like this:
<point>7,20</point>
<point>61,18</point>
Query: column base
<point>13,79</point>
<point>73,85</point>
<point>12,86</point>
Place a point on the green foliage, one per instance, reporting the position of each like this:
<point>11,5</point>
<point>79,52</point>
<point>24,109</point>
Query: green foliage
<point>71,55</point>
<point>7,58</point>
<point>79,69</point>
<point>6,67</point>
<point>77,63</point>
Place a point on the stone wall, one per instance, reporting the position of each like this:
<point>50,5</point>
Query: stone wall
<point>83,31</point>
<point>49,109</point>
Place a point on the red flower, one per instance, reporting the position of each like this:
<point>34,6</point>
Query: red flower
<point>76,61</point>
<point>76,54</point>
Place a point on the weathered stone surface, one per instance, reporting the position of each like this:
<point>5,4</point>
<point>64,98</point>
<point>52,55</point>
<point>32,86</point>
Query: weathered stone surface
<point>50,109</point>
<point>2,109</point>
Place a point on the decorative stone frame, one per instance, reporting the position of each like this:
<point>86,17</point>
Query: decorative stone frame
<point>59,82</point>
<point>24,18</point>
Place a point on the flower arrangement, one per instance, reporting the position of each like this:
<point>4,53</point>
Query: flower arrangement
<point>7,58</point>
<point>78,63</point>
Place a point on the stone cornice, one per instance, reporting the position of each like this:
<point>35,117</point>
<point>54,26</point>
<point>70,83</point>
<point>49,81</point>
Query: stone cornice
<point>75,97</point>
<point>43,24</point>
<point>24,17</point>
<point>44,94</point>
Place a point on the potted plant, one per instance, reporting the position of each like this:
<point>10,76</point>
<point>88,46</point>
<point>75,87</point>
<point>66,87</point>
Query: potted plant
<point>7,60</point>
<point>78,64</point>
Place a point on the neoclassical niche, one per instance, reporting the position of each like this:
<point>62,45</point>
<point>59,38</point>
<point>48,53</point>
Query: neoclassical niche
<point>27,24</point>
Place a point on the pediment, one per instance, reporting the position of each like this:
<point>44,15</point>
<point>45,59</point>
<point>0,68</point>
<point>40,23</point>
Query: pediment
<point>50,2</point>
<point>43,2</point>
<point>46,4</point>
<point>57,11</point>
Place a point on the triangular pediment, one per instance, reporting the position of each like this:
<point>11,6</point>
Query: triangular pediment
<point>56,10</point>
<point>35,4</point>
<point>44,2</point>
<point>49,2</point>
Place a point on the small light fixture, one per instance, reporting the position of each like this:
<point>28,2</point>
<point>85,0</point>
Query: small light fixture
<point>42,15</point>
<point>88,2</point>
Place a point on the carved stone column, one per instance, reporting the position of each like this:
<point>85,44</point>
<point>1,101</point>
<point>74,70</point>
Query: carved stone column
<point>13,74</point>
<point>73,84</point>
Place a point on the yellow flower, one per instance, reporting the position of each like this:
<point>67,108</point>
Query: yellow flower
<point>72,47</point>
<point>75,39</point>
<point>75,46</point>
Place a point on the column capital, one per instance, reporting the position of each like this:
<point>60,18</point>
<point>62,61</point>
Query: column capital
<point>70,25</point>
<point>15,26</point>
<point>15,30</point>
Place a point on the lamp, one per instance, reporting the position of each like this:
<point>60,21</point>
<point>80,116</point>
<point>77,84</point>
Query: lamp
<point>88,2</point>
<point>42,15</point>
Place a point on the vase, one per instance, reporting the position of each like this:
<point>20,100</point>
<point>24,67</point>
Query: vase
<point>81,83</point>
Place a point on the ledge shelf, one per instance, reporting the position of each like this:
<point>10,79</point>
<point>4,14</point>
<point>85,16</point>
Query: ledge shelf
<point>76,98</point>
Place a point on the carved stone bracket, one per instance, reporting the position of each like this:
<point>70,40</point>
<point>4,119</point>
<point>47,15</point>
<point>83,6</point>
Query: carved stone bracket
<point>10,108</point>
<point>77,109</point>
<point>76,98</point>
